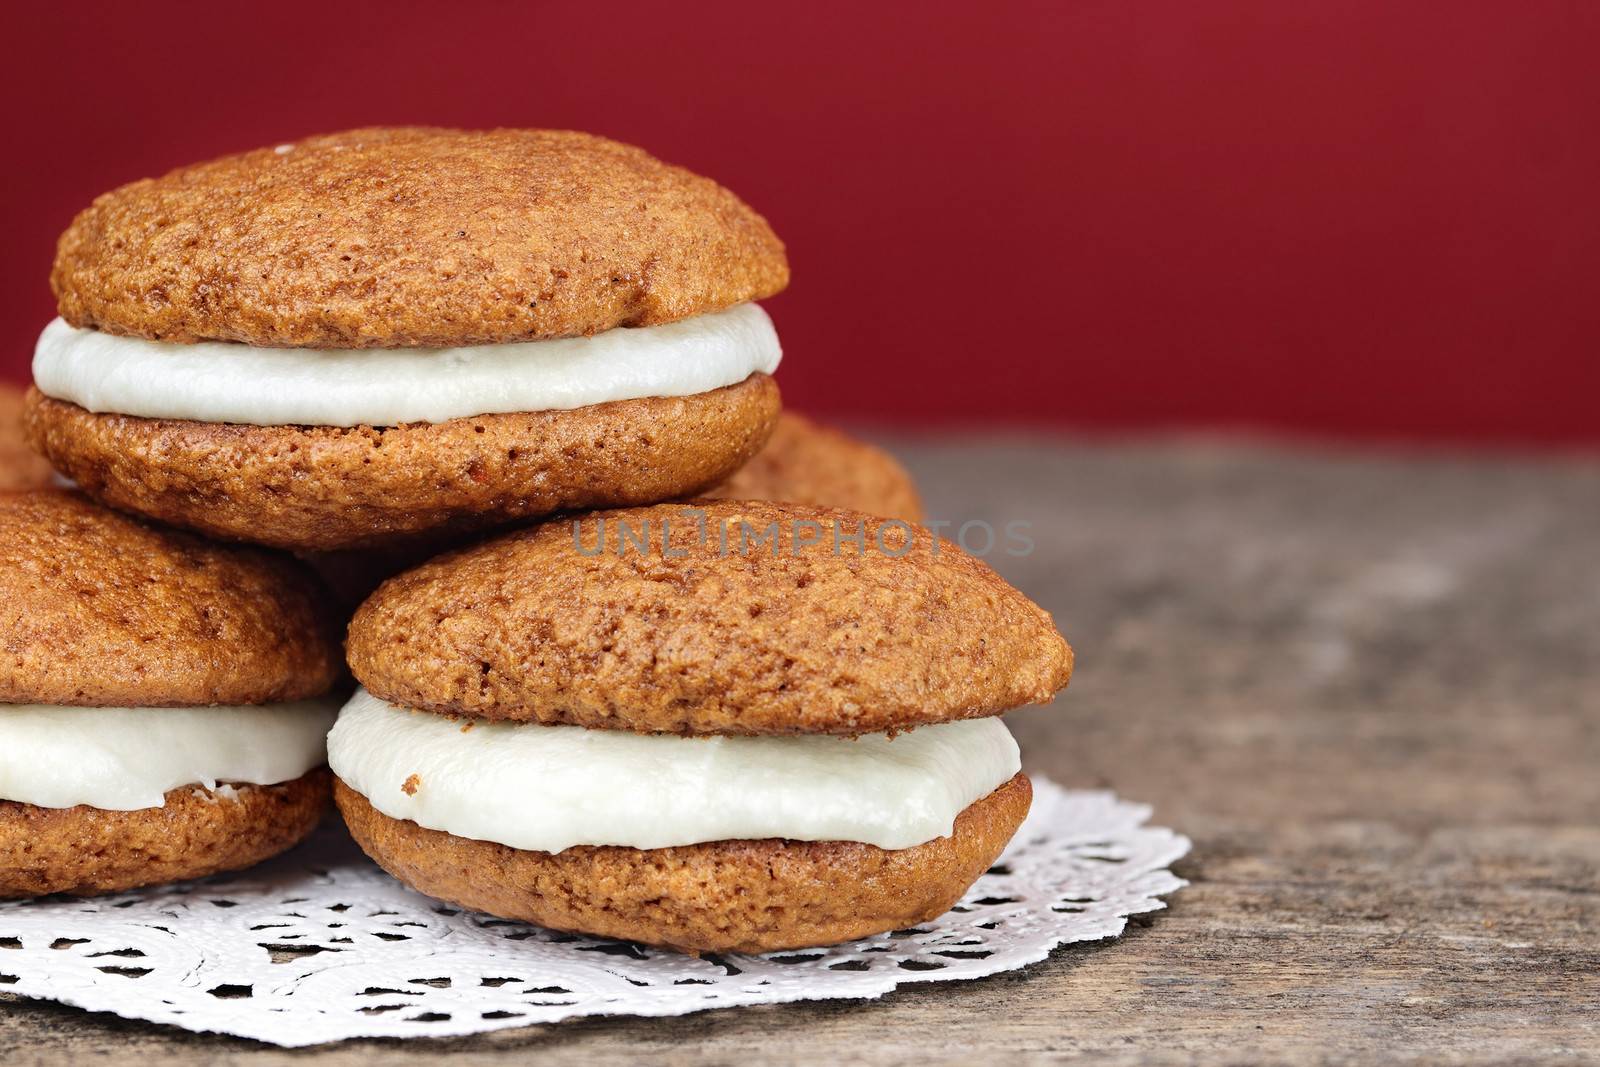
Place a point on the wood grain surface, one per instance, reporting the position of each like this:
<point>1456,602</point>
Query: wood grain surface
<point>1368,687</point>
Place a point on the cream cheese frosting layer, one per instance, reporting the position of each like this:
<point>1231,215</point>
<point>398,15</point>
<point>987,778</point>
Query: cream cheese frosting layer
<point>222,382</point>
<point>548,788</point>
<point>123,759</point>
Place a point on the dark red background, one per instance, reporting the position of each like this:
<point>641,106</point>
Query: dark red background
<point>1340,217</point>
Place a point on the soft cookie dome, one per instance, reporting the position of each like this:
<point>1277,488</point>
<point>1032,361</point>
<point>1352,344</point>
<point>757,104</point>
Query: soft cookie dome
<point>97,608</point>
<point>708,639</point>
<point>412,236</point>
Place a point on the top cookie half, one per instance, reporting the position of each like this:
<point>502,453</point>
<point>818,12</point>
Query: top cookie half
<point>101,609</point>
<point>413,237</point>
<point>714,617</point>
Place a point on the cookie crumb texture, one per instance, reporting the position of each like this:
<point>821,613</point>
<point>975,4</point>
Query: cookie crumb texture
<point>197,832</point>
<point>20,466</point>
<point>805,463</point>
<point>410,236</point>
<point>724,896</point>
<point>320,488</point>
<point>101,609</point>
<point>529,627</point>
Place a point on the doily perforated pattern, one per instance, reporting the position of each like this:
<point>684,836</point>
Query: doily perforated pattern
<point>320,945</point>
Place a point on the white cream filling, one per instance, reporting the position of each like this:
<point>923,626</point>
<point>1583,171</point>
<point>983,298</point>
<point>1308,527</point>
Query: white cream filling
<point>547,788</point>
<point>219,382</point>
<point>123,759</point>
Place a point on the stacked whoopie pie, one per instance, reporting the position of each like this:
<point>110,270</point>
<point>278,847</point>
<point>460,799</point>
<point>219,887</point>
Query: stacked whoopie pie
<point>391,334</point>
<point>713,726</point>
<point>716,725</point>
<point>161,714</point>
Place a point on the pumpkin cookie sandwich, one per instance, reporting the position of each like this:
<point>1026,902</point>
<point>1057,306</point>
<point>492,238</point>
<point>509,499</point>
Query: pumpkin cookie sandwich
<point>364,337</point>
<point>20,466</point>
<point>805,463</point>
<point>162,701</point>
<point>641,725</point>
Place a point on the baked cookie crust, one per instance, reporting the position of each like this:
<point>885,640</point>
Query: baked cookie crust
<point>413,237</point>
<point>20,466</point>
<point>320,488</point>
<point>532,626</point>
<point>724,896</point>
<point>85,851</point>
<point>102,609</point>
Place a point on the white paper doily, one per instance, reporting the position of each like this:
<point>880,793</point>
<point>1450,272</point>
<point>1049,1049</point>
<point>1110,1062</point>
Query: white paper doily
<point>319,945</point>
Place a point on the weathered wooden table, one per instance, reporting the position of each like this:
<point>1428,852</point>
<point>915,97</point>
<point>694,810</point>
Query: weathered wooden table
<point>1368,688</point>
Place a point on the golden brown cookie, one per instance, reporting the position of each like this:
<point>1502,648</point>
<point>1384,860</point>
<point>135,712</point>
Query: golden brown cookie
<point>20,466</point>
<point>804,463</point>
<point>723,635</point>
<point>724,896</point>
<point>97,608</point>
<point>324,487</point>
<point>394,237</point>
<point>196,832</point>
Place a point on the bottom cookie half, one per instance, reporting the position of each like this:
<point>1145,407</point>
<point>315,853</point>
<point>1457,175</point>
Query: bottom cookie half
<point>320,488</point>
<point>722,896</point>
<point>84,851</point>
